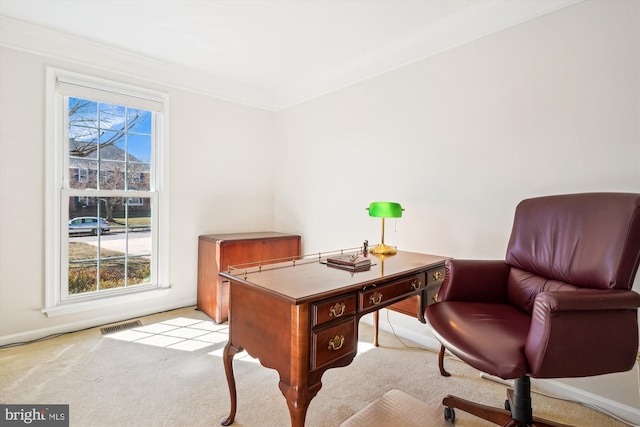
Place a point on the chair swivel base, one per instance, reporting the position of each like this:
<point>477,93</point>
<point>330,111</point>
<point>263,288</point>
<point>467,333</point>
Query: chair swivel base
<point>497,416</point>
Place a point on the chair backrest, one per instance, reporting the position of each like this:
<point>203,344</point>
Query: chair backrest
<point>567,242</point>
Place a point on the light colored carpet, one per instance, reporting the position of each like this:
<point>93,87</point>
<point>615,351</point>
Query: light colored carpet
<point>161,374</point>
<point>394,407</point>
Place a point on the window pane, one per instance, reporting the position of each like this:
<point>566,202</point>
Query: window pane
<point>112,145</point>
<point>140,148</point>
<point>138,177</point>
<point>113,117</point>
<point>82,174</point>
<point>139,121</point>
<point>113,251</point>
<point>83,112</point>
<point>83,142</point>
<point>112,175</point>
<point>83,248</point>
<point>83,128</point>
<point>82,274</point>
<point>135,215</point>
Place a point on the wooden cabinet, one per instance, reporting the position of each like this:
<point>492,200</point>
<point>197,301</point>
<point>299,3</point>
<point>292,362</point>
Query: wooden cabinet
<point>216,252</point>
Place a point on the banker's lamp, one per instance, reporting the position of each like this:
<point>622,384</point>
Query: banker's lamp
<point>384,210</point>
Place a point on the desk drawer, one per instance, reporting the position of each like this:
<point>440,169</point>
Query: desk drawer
<point>332,343</point>
<point>334,308</point>
<point>381,295</point>
<point>432,293</point>
<point>435,276</point>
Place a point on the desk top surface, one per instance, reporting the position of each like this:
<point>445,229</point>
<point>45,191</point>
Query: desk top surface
<point>310,279</point>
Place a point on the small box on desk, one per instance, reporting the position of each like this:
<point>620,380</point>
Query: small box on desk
<point>355,262</point>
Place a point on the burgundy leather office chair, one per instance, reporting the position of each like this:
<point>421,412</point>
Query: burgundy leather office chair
<point>560,305</point>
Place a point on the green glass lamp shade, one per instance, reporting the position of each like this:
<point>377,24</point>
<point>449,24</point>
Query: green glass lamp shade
<point>385,210</point>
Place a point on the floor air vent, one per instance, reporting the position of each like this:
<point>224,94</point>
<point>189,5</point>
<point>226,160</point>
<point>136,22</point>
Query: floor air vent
<point>121,327</point>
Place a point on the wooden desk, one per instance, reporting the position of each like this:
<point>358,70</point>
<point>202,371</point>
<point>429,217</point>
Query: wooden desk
<point>302,319</point>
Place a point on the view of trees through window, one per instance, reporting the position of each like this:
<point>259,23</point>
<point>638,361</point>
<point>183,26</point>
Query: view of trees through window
<point>109,196</point>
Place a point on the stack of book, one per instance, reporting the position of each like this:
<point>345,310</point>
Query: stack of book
<point>355,262</point>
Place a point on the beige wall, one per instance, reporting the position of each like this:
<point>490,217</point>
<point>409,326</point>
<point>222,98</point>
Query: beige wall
<point>220,174</point>
<point>547,107</point>
<point>550,106</point>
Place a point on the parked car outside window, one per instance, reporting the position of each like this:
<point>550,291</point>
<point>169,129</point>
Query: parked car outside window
<point>88,224</point>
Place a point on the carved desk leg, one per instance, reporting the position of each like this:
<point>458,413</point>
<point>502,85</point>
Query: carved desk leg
<point>229,352</point>
<point>298,400</point>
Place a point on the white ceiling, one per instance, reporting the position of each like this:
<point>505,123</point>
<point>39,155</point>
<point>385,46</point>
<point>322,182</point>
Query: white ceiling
<point>282,51</point>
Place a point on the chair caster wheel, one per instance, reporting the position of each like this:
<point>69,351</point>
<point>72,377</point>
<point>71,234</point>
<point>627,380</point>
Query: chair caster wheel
<point>449,415</point>
<point>507,405</point>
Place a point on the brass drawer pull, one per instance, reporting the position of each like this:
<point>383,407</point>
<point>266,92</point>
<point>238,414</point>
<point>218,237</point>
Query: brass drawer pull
<point>336,343</point>
<point>337,310</point>
<point>437,275</point>
<point>376,298</point>
<point>415,285</point>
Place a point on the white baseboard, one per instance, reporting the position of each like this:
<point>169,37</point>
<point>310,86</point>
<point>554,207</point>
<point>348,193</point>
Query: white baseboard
<point>91,322</point>
<point>625,413</point>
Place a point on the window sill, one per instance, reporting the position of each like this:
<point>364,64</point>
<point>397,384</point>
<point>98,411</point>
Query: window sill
<point>73,307</point>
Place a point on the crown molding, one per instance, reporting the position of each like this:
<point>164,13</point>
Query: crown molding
<point>481,20</point>
<point>27,37</point>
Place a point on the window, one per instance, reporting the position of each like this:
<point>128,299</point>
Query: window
<point>105,203</point>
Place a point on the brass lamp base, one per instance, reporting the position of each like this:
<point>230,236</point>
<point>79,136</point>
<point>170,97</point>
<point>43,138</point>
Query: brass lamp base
<point>383,249</point>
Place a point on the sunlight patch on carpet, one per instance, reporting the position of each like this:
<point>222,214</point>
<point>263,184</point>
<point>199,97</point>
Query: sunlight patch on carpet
<point>179,333</point>
<point>186,334</point>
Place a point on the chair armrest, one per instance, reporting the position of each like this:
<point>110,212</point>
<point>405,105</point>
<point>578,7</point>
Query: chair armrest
<point>588,299</point>
<point>583,333</point>
<point>474,280</point>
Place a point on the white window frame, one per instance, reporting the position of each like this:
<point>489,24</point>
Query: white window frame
<point>61,83</point>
